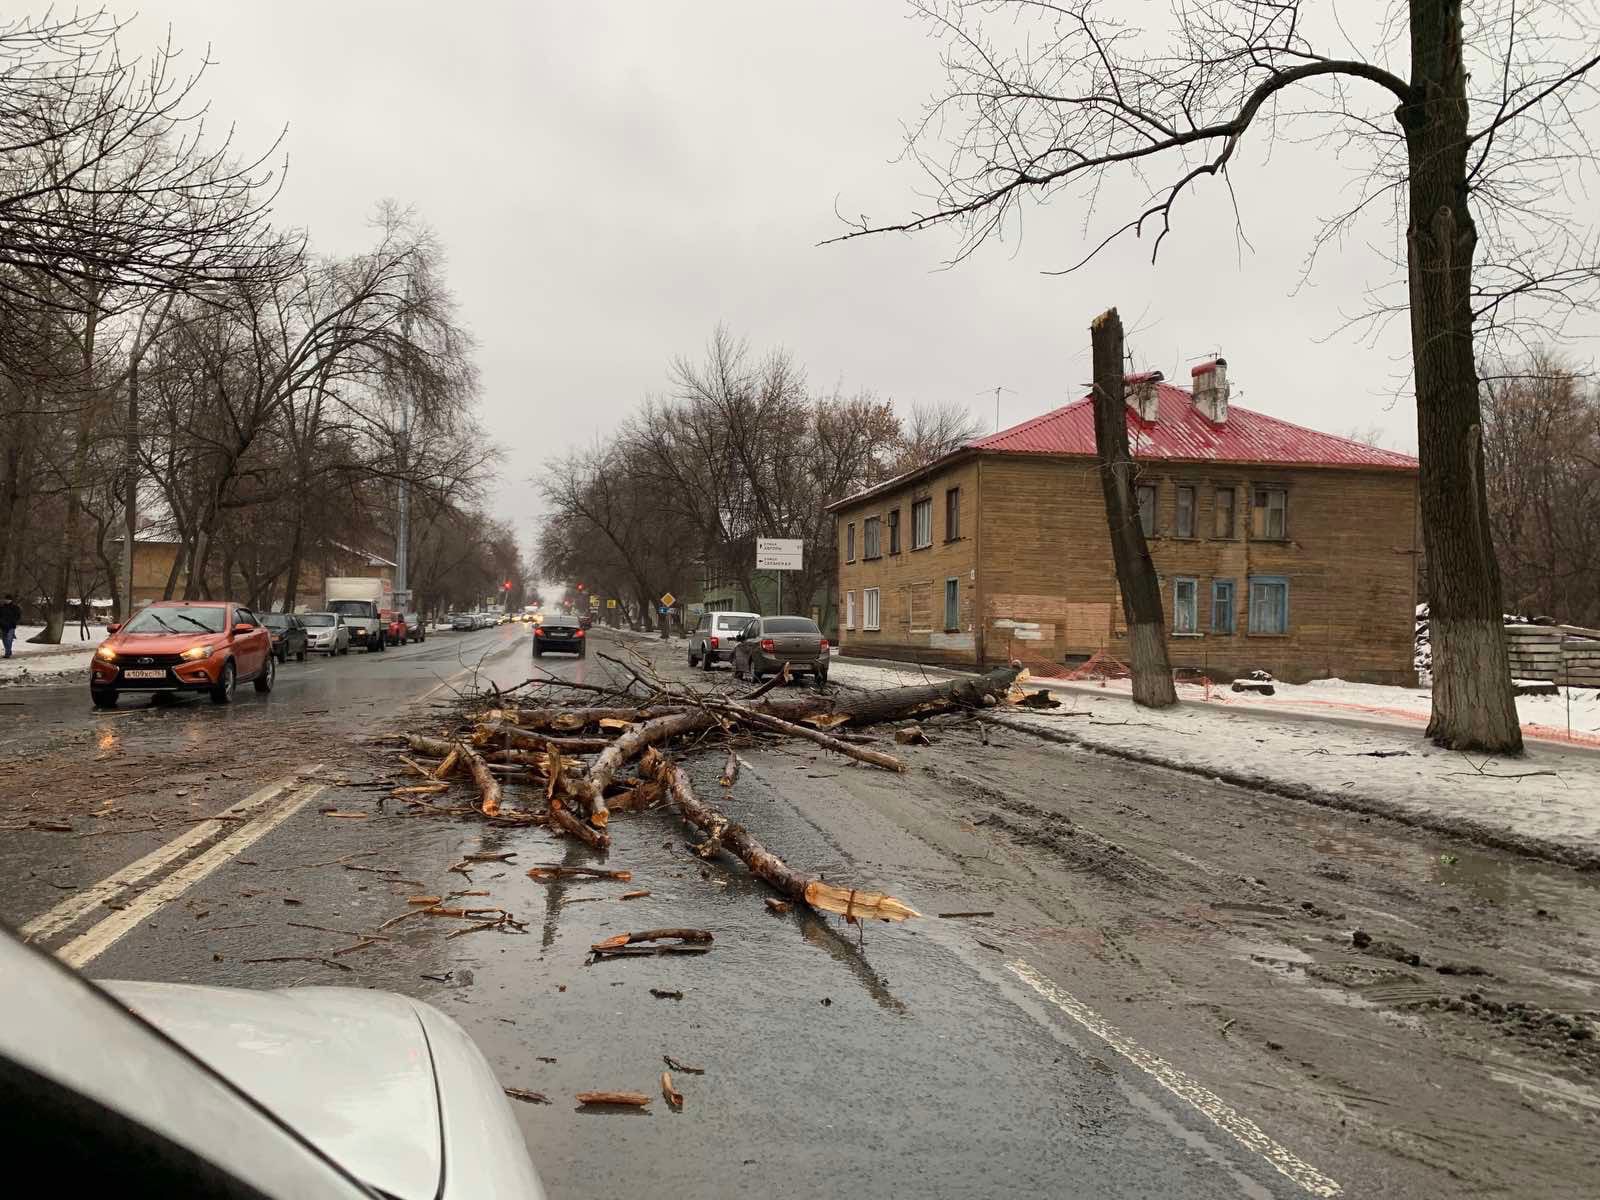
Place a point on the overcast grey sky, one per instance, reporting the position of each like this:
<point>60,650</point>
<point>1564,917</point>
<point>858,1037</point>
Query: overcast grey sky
<point>611,180</point>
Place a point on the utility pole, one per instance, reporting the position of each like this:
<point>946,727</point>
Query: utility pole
<point>996,390</point>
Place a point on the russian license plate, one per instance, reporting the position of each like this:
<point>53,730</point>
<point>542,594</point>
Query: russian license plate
<point>144,674</point>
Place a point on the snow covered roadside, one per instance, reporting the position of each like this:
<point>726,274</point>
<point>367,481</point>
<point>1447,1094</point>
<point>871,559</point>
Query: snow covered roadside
<point>1546,804</point>
<point>67,663</point>
<point>70,641</point>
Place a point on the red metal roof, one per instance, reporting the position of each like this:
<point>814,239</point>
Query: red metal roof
<point>1182,432</point>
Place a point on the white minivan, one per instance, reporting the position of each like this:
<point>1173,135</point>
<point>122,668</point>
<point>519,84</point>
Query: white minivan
<point>711,641</point>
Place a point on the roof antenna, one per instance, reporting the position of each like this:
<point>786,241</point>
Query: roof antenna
<point>997,389</point>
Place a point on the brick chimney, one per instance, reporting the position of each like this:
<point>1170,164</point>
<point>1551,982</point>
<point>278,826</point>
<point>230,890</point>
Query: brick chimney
<point>1210,382</point>
<point>1142,395</point>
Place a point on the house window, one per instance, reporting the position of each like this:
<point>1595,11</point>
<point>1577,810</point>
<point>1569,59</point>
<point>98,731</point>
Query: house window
<point>1269,604</point>
<point>1222,606</point>
<point>952,514</point>
<point>869,608</point>
<point>1270,519</point>
<point>872,538</point>
<point>1223,510</point>
<point>850,542</point>
<point>849,610</point>
<point>1185,618</point>
<point>952,605</point>
<point>894,531</point>
<point>1147,508</point>
<point>921,524</point>
<point>1185,512</point>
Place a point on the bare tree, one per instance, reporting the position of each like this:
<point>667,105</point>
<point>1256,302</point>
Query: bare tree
<point>1470,150</point>
<point>1136,573</point>
<point>1541,449</point>
<point>932,430</point>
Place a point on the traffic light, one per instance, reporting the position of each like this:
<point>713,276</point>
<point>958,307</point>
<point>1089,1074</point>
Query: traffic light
<point>580,587</point>
<point>506,585</point>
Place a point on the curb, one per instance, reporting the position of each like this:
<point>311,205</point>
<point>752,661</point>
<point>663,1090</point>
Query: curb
<point>1462,827</point>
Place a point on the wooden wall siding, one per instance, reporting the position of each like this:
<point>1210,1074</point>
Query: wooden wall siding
<point>1349,557</point>
<point>911,584</point>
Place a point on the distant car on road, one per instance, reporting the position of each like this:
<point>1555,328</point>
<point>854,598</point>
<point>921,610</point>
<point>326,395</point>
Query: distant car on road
<point>183,646</point>
<point>327,633</point>
<point>288,636</point>
<point>416,627</point>
<point>394,627</point>
<point>462,622</point>
<point>766,643</point>
<point>712,639</point>
<point>559,633</point>
<point>177,1090</point>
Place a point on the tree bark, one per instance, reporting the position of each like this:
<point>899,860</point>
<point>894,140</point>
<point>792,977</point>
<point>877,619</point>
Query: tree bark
<point>763,863</point>
<point>1474,705</point>
<point>1136,574</point>
<point>869,708</point>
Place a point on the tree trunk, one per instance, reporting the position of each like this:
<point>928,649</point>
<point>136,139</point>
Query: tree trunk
<point>889,704</point>
<point>1136,574</point>
<point>1474,706</point>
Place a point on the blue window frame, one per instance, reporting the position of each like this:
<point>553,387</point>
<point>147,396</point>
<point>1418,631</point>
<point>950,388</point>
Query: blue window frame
<point>1222,606</point>
<point>1269,604</point>
<point>1185,605</point>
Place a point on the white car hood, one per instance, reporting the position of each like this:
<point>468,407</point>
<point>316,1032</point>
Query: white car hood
<point>349,1069</point>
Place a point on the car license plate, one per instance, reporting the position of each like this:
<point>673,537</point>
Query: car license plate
<point>144,674</point>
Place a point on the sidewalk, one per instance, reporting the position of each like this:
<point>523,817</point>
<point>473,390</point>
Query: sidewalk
<point>1545,804</point>
<point>32,663</point>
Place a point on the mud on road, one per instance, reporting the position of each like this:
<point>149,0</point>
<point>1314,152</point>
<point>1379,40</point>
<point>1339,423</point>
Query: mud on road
<point>1158,965</point>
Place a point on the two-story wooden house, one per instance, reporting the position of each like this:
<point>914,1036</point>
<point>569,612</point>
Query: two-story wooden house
<point>1278,547</point>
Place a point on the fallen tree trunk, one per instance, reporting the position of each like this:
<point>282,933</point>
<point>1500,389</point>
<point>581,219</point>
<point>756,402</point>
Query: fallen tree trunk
<point>627,747</point>
<point>563,819</point>
<point>580,718</point>
<point>488,785</point>
<point>765,865</point>
<point>890,704</point>
<point>511,737</point>
<point>762,721</point>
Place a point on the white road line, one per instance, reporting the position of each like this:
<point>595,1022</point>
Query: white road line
<point>99,938</point>
<point>73,909</point>
<point>1207,1102</point>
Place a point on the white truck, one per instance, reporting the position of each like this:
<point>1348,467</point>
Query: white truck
<point>359,601</point>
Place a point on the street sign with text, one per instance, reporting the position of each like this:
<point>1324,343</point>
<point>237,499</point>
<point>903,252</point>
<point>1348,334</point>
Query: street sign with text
<point>778,554</point>
<point>611,603</point>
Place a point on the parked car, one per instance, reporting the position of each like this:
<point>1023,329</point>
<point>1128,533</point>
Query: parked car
<point>317,1093</point>
<point>288,636</point>
<point>766,643</point>
<point>712,640</point>
<point>326,633</point>
<point>394,626</point>
<point>183,646</point>
<point>559,633</point>
<point>462,621</point>
<point>416,627</point>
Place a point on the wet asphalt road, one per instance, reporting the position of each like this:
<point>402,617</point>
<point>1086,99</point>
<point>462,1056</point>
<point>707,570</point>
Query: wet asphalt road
<point>1160,1004</point>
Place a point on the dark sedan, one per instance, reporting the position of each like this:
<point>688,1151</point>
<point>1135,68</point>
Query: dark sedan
<point>288,636</point>
<point>766,643</point>
<point>559,633</point>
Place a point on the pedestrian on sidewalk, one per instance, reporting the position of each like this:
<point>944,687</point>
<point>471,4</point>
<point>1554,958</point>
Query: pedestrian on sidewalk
<point>10,618</point>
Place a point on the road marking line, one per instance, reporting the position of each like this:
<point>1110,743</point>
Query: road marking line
<point>101,937</point>
<point>1207,1102</point>
<point>71,910</point>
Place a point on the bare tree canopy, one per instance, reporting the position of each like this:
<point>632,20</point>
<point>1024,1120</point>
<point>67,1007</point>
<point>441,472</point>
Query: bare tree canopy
<point>1466,152</point>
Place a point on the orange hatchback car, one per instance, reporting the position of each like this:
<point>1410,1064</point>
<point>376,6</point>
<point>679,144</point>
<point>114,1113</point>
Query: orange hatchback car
<point>183,646</point>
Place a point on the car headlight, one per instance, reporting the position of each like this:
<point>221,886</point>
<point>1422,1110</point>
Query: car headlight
<point>106,653</point>
<point>198,652</point>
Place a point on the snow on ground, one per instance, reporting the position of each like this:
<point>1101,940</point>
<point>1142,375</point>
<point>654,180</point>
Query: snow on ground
<point>1542,716</point>
<point>69,641</point>
<point>1547,802</point>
